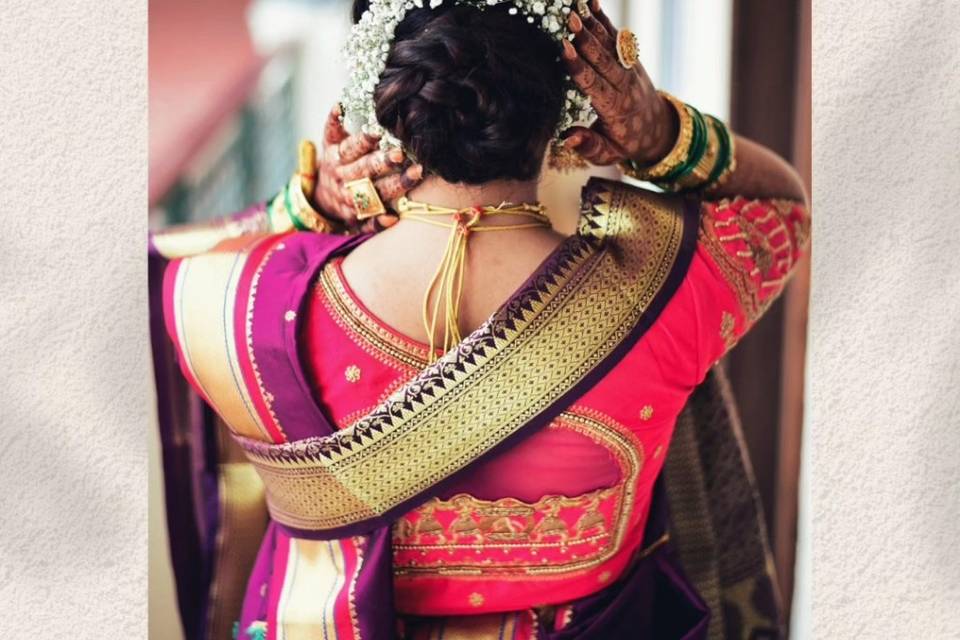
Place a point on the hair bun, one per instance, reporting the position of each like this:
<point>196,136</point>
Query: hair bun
<point>474,94</point>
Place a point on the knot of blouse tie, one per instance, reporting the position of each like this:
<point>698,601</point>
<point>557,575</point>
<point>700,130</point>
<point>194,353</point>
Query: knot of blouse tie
<point>447,281</point>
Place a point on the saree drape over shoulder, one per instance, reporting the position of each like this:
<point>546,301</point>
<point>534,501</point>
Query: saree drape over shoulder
<point>514,487</point>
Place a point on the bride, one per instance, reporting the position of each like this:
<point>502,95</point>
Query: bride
<point>459,421</point>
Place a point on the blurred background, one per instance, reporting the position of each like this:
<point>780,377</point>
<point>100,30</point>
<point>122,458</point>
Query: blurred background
<point>234,84</point>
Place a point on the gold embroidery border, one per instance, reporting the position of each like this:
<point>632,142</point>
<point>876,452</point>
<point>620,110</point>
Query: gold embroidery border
<point>357,322</point>
<point>629,453</point>
<point>734,272</point>
<point>494,382</point>
<point>248,337</point>
<point>738,277</point>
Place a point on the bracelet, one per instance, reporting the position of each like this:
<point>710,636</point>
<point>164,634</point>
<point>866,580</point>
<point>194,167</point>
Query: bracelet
<point>698,148</point>
<point>291,209</point>
<point>702,161</point>
<point>708,161</point>
<point>712,167</point>
<point>677,156</point>
<point>304,216</point>
<point>702,158</point>
<point>727,157</point>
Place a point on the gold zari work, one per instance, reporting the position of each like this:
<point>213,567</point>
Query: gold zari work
<point>367,333</point>
<point>750,247</point>
<point>510,536</point>
<point>727,326</point>
<point>495,381</point>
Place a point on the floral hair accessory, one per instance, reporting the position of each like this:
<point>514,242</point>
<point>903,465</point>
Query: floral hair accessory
<point>369,45</point>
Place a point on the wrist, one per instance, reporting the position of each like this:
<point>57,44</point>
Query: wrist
<point>700,157</point>
<point>665,133</point>
<point>293,209</point>
<point>677,147</point>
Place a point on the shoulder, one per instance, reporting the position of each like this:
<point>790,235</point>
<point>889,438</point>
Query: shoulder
<point>752,247</point>
<point>230,313</point>
<point>231,263</point>
<point>615,210</point>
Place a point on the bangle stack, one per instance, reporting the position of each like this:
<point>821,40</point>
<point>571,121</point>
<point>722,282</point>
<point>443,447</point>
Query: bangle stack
<point>291,209</point>
<point>702,158</point>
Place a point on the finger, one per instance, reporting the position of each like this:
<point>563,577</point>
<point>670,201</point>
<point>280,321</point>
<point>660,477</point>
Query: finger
<point>604,33</point>
<point>347,204</point>
<point>600,56</point>
<point>592,146</point>
<point>372,165</point>
<point>381,222</point>
<point>393,186</point>
<point>333,131</point>
<point>602,94</point>
<point>346,214</point>
<point>602,18</point>
<point>357,146</point>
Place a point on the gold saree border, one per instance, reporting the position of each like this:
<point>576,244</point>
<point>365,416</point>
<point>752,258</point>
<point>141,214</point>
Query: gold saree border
<point>205,299</point>
<point>572,315</point>
<point>243,521</point>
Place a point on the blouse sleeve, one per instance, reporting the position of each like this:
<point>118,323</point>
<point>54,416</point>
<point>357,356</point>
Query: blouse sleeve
<point>747,250</point>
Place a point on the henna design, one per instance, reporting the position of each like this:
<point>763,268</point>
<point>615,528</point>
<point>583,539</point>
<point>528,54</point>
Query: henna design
<point>633,120</point>
<point>346,158</point>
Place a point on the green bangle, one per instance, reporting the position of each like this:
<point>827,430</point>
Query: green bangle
<point>724,156</point>
<point>697,148</point>
<point>288,205</point>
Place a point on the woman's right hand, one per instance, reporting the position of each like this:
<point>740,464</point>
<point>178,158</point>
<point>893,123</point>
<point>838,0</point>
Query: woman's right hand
<point>348,157</point>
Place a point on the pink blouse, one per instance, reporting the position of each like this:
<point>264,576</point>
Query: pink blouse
<point>559,515</point>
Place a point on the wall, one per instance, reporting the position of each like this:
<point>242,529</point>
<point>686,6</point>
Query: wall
<point>883,487</point>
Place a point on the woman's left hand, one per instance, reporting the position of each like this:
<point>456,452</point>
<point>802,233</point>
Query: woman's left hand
<point>634,121</point>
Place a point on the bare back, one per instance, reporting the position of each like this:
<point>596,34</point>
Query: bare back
<point>391,272</point>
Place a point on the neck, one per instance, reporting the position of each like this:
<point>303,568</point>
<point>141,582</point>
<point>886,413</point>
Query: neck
<point>438,192</point>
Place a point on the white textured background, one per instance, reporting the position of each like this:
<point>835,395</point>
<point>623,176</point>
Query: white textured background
<point>884,508</point>
<point>884,394</point>
<point>73,323</point>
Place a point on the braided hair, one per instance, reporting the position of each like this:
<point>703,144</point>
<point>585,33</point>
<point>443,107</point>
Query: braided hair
<point>474,94</point>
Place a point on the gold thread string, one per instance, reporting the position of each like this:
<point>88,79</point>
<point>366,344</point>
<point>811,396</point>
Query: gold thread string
<point>447,280</point>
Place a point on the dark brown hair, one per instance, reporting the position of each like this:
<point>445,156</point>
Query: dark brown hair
<point>474,94</point>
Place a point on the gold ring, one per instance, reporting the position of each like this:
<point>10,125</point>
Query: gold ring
<point>365,198</point>
<point>627,48</point>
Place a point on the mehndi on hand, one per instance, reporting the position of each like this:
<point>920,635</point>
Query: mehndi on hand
<point>348,157</point>
<point>633,122</point>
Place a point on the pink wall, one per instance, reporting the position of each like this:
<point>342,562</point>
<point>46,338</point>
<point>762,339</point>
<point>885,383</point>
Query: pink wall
<point>202,65</point>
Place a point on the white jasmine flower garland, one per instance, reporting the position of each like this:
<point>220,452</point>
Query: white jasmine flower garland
<point>369,44</point>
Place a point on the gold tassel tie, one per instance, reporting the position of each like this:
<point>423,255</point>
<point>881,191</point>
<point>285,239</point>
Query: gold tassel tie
<point>448,279</point>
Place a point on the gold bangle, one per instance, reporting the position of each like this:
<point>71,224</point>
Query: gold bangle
<point>701,172</point>
<point>302,212</point>
<point>677,155</point>
<point>308,166</point>
<point>292,209</point>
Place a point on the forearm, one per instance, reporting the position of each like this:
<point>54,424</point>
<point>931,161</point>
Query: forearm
<point>759,173</point>
<point>289,210</point>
